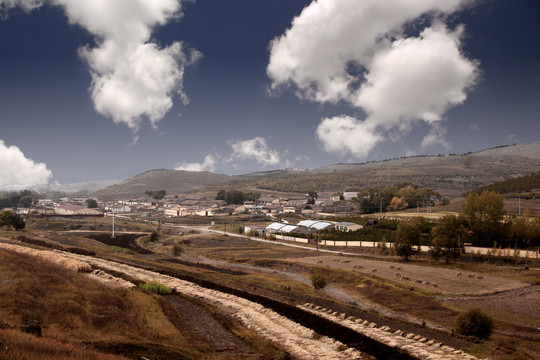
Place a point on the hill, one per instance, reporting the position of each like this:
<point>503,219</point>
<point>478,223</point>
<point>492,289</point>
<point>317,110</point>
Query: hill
<point>450,175</point>
<point>173,181</point>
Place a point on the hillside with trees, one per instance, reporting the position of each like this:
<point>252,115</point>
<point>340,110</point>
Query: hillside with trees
<point>523,184</point>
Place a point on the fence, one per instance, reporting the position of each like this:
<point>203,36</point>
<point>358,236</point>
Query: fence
<point>527,254</point>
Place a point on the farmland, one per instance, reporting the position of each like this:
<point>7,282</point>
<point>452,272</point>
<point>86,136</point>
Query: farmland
<point>271,271</point>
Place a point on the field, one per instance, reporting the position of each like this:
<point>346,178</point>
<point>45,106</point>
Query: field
<point>507,292</point>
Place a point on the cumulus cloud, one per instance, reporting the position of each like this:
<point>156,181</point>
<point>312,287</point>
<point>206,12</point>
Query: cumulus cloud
<point>209,164</point>
<point>254,149</point>
<point>133,78</point>
<point>358,52</point>
<point>27,5</point>
<point>17,169</point>
<point>345,134</point>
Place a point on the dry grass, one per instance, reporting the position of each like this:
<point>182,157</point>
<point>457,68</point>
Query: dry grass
<point>15,346</point>
<point>75,311</point>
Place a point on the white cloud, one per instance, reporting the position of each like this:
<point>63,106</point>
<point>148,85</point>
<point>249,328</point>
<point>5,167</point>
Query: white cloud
<point>416,78</point>
<point>435,137</point>
<point>358,52</point>
<point>16,169</point>
<point>254,149</point>
<point>345,134</point>
<point>27,5</point>
<point>133,78</point>
<point>209,164</point>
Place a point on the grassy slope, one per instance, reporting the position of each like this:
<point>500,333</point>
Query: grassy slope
<point>81,319</point>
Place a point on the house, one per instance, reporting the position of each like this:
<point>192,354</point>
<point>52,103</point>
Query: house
<point>45,203</point>
<point>70,209</point>
<point>349,195</point>
<point>173,211</point>
<point>266,200</point>
<point>272,209</point>
<point>325,201</point>
<point>348,226</point>
<point>253,229</point>
<point>290,209</point>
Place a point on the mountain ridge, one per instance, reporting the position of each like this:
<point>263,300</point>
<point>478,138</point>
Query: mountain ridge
<point>451,174</point>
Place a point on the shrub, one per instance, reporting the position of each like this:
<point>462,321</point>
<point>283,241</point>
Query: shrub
<point>252,233</point>
<point>156,287</point>
<point>474,322</point>
<point>154,236</point>
<point>318,281</point>
<point>177,250</point>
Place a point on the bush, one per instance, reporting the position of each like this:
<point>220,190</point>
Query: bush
<point>474,322</point>
<point>318,281</point>
<point>154,236</point>
<point>177,250</point>
<point>252,233</point>
<point>156,287</point>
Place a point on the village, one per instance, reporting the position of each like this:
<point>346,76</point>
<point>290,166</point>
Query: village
<point>200,206</point>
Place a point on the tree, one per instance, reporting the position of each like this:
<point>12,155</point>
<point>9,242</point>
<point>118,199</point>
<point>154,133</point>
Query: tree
<point>156,194</point>
<point>408,238</point>
<point>7,218</point>
<point>484,214</point>
<point>397,203</point>
<point>312,195</point>
<point>318,281</point>
<point>220,195</point>
<point>449,236</point>
<point>26,201</point>
<point>521,231</point>
<point>91,203</point>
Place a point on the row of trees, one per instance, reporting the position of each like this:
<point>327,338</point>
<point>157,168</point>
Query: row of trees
<point>236,196</point>
<point>23,199</point>
<point>480,222</point>
<point>520,184</point>
<point>392,198</point>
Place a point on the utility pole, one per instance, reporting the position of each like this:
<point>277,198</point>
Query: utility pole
<point>112,209</point>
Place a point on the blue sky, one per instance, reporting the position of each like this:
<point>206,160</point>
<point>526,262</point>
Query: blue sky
<point>91,91</point>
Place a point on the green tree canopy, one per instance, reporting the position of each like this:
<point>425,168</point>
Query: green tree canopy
<point>448,237</point>
<point>408,238</point>
<point>484,214</point>
<point>91,203</point>
<point>156,194</point>
<point>236,196</point>
<point>7,218</point>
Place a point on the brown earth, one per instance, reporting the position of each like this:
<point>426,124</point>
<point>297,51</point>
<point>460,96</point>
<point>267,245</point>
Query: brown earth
<point>438,280</point>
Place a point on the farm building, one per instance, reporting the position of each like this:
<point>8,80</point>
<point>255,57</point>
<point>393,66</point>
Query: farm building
<point>276,228</point>
<point>348,226</point>
<point>316,225</point>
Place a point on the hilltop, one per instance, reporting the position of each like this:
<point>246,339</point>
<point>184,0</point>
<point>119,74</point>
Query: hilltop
<point>173,181</point>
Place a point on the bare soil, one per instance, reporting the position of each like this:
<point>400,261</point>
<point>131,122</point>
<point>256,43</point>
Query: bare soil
<point>438,280</point>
